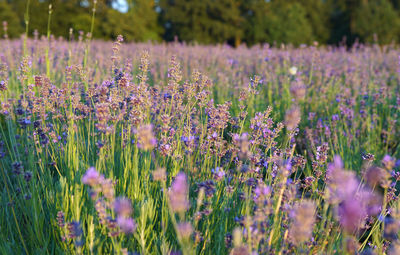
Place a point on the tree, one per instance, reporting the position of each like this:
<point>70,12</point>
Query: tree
<point>289,24</point>
<point>255,13</point>
<point>277,21</point>
<point>144,18</point>
<point>206,21</point>
<point>317,14</point>
<point>12,19</point>
<point>214,21</point>
<point>376,17</point>
<point>342,20</point>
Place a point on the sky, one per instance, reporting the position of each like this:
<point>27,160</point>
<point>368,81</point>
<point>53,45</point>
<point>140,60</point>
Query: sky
<point>121,5</point>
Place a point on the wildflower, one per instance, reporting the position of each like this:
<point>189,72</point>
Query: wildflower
<point>341,184</point>
<point>115,49</point>
<point>377,176</point>
<point>28,176</point>
<point>369,157</point>
<point>352,245</point>
<point>322,153</point>
<point>5,28</point>
<point>127,225</point>
<point>17,167</point>
<point>38,81</point>
<point>219,116</point>
<point>107,187</point>
<point>184,229</point>
<point>219,173</point>
<point>292,117</point>
<point>123,207</point>
<point>112,225</point>
<point>293,70</point>
<point>3,85</point>
<point>298,90</point>
<point>308,181</point>
<point>303,221</point>
<point>178,194</point>
<point>60,219</point>
<point>120,38</point>
<point>24,68</point>
<point>160,174</point>
<point>239,248</point>
<point>91,177</point>
<point>388,162</point>
<point>254,83</point>
<point>297,161</point>
<point>146,139</point>
<point>391,230</point>
<point>243,144</point>
<point>197,237</point>
<point>74,229</point>
<point>101,210</point>
<point>228,240</point>
<point>351,214</point>
<point>208,187</point>
<point>394,248</point>
<point>75,232</point>
<point>335,117</point>
<point>262,192</point>
<point>123,82</point>
<point>103,115</point>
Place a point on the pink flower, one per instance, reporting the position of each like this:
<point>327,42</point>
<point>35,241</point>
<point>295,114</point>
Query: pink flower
<point>352,213</point>
<point>127,225</point>
<point>178,194</point>
<point>91,177</point>
<point>185,229</point>
<point>123,207</point>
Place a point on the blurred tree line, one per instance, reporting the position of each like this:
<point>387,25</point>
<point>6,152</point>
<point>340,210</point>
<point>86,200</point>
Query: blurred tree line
<point>214,21</point>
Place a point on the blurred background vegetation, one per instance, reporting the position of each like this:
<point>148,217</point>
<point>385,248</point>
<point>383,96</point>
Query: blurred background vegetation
<point>214,21</point>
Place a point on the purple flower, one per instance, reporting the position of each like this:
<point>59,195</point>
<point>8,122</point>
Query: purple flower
<point>262,191</point>
<point>146,139</point>
<point>292,117</point>
<point>91,177</point>
<point>351,214</point>
<point>218,172</point>
<point>127,225</point>
<point>178,193</point>
<point>311,115</point>
<point>74,229</point>
<point>341,183</point>
<point>303,219</point>
<point>388,162</point>
<point>185,229</point>
<point>397,163</point>
<point>123,207</point>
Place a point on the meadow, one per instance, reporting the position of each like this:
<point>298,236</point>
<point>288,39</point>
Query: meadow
<point>139,148</point>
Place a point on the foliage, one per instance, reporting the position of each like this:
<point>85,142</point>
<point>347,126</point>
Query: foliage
<point>202,21</point>
<point>14,28</point>
<point>210,22</point>
<point>377,18</point>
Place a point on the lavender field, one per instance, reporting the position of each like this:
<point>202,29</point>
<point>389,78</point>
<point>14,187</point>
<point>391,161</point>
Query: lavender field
<point>122,148</point>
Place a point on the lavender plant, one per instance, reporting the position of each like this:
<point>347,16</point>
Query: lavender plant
<point>114,148</point>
